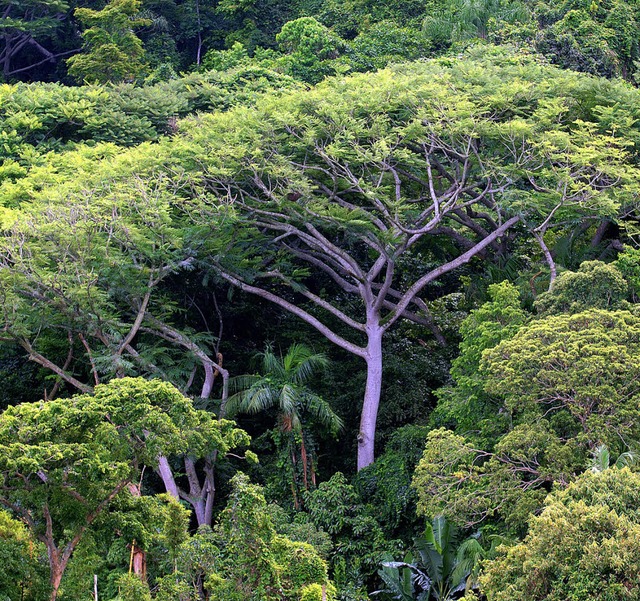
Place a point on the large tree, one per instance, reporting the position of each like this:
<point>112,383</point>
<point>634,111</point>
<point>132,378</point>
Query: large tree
<point>560,387</point>
<point>356,197</point>
<point>83,281</point>
<point>348,203</point>
<point>582,546</point>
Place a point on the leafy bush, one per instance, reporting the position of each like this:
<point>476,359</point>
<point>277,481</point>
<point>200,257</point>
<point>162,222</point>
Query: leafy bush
<point>582,546</point>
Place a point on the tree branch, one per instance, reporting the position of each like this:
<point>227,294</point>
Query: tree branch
<point>301,313</point>
<point>38,358</point>
<point>409,295</point>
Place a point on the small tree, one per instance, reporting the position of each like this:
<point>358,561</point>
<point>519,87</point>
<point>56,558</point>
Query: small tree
<point>282,386</point>
<point>253,562</point>
<point>63,462</point>
<point>114,52</point>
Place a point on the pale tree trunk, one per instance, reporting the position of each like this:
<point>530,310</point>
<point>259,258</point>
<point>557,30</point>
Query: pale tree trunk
<point>166,473</point>
<point>197,494</point>
<point>374,286</point>
<point>371,402</point>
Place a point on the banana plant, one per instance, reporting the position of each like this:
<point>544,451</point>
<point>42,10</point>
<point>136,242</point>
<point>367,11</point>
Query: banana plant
<point>444,568</point>
<point>404,581</point>
<point>601,459</point>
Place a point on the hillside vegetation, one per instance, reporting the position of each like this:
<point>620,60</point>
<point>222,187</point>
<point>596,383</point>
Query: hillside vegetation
<point>319,301</point>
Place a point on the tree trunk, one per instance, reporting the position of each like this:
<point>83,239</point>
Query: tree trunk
<point>56,578</point>
<point>165,472</point>
<point>366,436</point>
<point>209,488</point>
<point>209,376</point>
<point>197,493</point>
<point>139,563</point>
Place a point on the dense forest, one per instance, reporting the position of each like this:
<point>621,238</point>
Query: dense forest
<point>320,300</point>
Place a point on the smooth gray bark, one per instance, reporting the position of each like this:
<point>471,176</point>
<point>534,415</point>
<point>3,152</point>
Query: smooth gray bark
<point>372,395</point>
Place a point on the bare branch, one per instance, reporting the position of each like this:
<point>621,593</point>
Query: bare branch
<point>409,295</point>
<point>38,358</point>
<point>301,313</point>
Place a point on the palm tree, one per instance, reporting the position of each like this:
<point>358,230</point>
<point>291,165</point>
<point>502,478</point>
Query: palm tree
<point>282,385</point>
<point>469,19</point>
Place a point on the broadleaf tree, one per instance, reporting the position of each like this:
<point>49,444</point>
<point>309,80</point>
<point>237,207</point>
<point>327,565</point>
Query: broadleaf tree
<point>91,293</point>
<point>443,162</point>
<point>63,462</point>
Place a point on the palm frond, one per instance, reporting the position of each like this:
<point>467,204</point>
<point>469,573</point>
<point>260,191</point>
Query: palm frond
<point>630,458</point>
<point>258,398</point>
<point>288,398</point>
<point>322,411</point>
<point>243,383</point>
<point>429,558</point>
<point>272,365</point>
<point>305,370</point>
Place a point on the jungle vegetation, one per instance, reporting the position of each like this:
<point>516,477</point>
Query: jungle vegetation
<point>319,300</point>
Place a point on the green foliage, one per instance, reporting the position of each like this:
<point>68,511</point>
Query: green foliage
<point>461,20</point>
<point>176,528</point>
<point>401,579</point>
<point>282,178</point>
<point>283,387</point>
<point>359,542</point>
<point>354,16</point>
<point>114,52</point>
<point>595,285</point>
<point>465,405</point>
<point>251,560</point>
<point>299,527</point>
<point>448,459</point>
<point>105,549</point>
<point>198,556</point>
<point>132,588</point>
<point>469,485</point>
<point>600,38</point>
<point>310,49</point>
<point>448,560</point>
<point>601,459</point>
<point>66,461</point>
<point>583,364</point>
<point>222,60</point>
<point>566,384</point>
<point>109,258</point>
<point>444,565</point>
<point>582,546</point>
<point>22,558</point>
<point>386,484</point>
<point>27,30</point>
<point>171,588</point>
<point>387,42</point>
<point>318,592</point>
<point>37,118</point>
<point>628,263</point>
